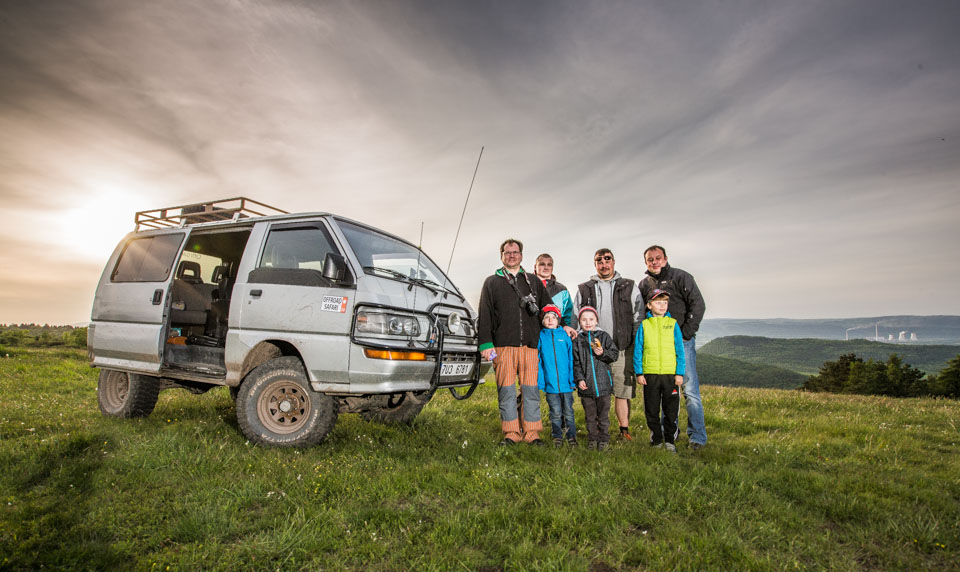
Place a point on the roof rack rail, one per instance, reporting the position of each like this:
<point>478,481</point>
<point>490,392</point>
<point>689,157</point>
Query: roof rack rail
<point>210,211</point>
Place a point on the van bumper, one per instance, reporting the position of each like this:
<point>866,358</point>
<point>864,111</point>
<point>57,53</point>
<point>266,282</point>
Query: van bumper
<point>378,376</point>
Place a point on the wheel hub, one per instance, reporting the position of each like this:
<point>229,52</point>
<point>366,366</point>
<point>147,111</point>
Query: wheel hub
<point>115,392</point>
<point>284,407</point>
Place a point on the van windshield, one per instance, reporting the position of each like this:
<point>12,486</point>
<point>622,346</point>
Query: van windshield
<point>394,257</point>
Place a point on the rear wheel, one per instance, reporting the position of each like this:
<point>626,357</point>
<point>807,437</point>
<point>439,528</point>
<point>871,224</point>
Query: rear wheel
<point>122,394</point>
<point>277,407</point>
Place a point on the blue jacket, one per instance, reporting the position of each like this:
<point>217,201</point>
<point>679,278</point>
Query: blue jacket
<point>561,297</point>
<point>556,361</point>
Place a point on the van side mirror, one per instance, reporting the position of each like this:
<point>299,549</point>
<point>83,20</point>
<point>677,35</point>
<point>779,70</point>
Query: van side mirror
<point>334,267</point>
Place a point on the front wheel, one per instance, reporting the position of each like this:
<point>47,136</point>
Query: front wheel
<point>122,394</point>
<point>277,407</point>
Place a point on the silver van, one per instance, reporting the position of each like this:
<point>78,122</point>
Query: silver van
<point>303,317</point>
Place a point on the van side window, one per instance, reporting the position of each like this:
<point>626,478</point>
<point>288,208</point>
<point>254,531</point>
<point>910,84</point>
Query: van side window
<point>148,259</point>
<point>299,248</point>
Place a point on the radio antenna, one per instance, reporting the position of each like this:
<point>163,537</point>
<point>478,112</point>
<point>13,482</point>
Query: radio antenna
<point>419,254</point>
<point>464,210</point>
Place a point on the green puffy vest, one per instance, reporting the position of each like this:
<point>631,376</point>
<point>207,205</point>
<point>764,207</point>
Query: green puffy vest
<point>659,352</point>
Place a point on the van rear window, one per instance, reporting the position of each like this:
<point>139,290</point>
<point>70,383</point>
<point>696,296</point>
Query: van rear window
<point>148,259</point>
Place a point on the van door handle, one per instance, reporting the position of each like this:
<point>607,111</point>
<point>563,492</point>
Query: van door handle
<point>157,296</point>
<point>256,293</point>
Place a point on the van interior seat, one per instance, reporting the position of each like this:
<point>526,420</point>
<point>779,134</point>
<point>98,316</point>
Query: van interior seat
<point>190,298</point>
<point>189,271</point>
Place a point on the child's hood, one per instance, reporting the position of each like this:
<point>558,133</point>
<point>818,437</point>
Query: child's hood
<point>593,331</point>
<point>554,332</point>
<point>650,314</point>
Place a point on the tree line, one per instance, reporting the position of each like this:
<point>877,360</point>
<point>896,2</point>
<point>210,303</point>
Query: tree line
<point>30,335</point>
<point>893,377</point>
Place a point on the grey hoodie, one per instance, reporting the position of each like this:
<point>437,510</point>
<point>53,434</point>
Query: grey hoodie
<point>604,289</point>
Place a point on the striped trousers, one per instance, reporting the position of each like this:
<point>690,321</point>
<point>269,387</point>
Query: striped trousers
<point>511,363</point>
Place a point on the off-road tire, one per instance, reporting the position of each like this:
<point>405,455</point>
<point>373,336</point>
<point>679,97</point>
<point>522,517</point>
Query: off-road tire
<point>276,406</point>
<point>122,394</point>
<point>404,413</point>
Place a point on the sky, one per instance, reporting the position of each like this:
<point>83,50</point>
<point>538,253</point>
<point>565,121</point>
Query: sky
<point>800,159</point>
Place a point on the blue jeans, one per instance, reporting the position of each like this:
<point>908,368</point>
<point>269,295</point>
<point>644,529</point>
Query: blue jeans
<point>696,427</point>
<point>561,415</point>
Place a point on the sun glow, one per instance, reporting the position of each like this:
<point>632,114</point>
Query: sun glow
<point>92,228</point>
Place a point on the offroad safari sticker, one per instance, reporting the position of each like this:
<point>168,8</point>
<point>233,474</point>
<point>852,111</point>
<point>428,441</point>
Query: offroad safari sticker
<point>334,304</point>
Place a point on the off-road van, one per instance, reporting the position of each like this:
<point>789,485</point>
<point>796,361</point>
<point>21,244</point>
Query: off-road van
<point>302,316</point>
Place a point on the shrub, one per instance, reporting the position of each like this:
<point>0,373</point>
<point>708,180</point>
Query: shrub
<point>851,374</point>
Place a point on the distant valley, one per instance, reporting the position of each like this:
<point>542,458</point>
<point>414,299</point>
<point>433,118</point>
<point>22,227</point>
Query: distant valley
<point>781,353</point>
<point>926,329</point>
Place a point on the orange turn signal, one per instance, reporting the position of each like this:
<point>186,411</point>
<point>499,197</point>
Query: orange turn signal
<point>395,355</point>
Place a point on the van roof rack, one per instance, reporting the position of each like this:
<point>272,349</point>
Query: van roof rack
<point>210,211</point>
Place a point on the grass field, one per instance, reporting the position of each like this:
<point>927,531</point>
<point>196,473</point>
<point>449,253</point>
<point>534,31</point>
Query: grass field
<point>788,480</point>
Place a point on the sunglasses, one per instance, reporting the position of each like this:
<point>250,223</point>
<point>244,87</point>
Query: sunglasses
<point>604,258</point>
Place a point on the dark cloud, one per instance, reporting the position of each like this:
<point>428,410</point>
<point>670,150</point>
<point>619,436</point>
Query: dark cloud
<point>790,133</point>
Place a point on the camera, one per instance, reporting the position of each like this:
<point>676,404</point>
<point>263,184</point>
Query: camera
<point>529,303</point>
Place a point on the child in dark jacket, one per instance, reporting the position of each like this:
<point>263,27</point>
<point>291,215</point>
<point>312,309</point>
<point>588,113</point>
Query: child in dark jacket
<point>593,352</point>
<point>555,377</point>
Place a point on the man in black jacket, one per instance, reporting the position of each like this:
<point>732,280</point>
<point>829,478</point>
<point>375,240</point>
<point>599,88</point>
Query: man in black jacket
<point>617,300</point>
<point>508,332</point>
<point>686,307</point>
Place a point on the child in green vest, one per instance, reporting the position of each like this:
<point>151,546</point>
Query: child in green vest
<point>658,356</point>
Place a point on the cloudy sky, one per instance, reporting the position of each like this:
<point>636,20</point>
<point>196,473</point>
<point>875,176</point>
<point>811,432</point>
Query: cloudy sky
<point>801,159</point>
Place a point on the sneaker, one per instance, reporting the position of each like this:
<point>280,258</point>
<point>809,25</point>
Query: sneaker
<point>602,446</point>
<point>625,436</point>
<point>591,445</point>
<point>537,442</point>
<point>671,447</point>
<point>572,443</point>
<point>696,446</point>
<point>507,442</point>
<point>656,445</point>
<point>557,443</point>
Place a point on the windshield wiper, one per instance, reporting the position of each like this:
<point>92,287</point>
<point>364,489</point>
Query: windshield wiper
<point>401,276</point>
<point>444,288</point>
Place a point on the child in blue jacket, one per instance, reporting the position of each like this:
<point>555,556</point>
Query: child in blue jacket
<point>555,377</point>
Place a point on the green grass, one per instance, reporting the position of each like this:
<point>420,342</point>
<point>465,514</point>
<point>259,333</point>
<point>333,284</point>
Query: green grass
<point>788,480</point>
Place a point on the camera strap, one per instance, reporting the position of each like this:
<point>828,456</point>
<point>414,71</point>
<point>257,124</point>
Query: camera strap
<point>512,281</point>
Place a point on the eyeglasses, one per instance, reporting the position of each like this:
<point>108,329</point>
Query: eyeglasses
<point>604,258</point>
<point>512,253</point>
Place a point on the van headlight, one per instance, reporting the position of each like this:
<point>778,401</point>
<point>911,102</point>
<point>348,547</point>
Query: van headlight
<point>453,323</point>
<point>379,322</point>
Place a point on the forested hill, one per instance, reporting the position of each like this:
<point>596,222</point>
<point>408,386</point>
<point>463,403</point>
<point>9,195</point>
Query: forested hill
<point>717,370</point>
<point>928,329</point>
<point>805,356</point>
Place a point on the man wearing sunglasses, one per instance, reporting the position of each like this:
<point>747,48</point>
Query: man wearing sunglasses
<point>509,332</point>
<point>687,308</point>
<point>617,300</point>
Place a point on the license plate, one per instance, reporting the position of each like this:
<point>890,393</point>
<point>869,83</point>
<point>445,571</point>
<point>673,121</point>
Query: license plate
<point>449,369</point>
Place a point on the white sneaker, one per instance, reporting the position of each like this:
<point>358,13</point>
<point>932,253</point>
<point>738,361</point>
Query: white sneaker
<point>671,447</point>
